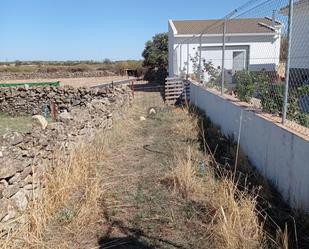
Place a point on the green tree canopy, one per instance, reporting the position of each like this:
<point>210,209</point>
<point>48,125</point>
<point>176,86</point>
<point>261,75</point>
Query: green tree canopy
<point>156,57</point>
<point>156,52</point>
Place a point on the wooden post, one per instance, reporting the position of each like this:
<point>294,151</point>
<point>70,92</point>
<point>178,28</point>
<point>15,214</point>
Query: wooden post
<point>132,87</point>
<point>53,111</point>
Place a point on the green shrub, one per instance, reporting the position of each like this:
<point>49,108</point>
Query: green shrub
<point>302,119</point>
<point>271,95</point>
<point>244,85</point>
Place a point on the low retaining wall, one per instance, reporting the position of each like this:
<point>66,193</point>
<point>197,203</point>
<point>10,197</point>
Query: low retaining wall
<point>280,155</point>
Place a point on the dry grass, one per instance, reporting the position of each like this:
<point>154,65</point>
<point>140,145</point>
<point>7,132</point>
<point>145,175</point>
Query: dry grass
<point>19,124</point>
<point>67,214</point>
<point>228,217</point>
<point>67,210</point>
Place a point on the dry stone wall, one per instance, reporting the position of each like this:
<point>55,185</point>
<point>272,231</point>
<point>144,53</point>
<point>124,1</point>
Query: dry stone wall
<point>24,158</point>
<point>53,75</point>
<point>33,100</point>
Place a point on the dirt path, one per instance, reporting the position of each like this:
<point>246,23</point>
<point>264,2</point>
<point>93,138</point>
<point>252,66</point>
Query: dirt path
<point>138,206</point>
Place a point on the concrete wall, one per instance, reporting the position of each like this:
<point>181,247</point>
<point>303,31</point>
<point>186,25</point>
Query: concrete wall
<point>279,154</point>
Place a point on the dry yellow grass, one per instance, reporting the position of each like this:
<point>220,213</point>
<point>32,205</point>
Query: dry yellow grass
<point>69,200</point>
<point>229,217</point>
<point>68,212</point>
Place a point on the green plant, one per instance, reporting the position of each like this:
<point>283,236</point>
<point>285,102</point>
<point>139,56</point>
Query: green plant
<point>244,85</point>
<point>196,66</point>
<point>156,56</point>
<point>271,95</point>
<point>302,119</point>
<point>212,71</point>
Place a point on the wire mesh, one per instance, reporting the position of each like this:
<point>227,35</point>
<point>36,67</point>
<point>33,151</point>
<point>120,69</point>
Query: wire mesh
<point>259,53</point>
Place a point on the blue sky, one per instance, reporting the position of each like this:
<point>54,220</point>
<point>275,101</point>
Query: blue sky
<point>92,29</point>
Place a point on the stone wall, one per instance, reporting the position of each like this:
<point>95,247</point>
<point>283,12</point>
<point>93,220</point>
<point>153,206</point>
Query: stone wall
<point>24,158</point>
<point>23,100</point>
<point>53,75</point>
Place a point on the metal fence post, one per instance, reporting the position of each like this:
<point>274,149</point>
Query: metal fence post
<point>223,57</point>
<point>180,57</point>
<point>200,60</point>
<point>188,46</point>
<point>287,67</point>
<point>175,66</point>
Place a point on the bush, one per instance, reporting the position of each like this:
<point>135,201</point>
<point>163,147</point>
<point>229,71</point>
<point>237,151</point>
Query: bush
<point>244,85</point>
<point>271,95</point>
<point>302,119</point>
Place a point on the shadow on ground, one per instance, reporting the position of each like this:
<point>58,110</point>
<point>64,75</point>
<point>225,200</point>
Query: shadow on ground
<point>122,243</point>
<point>132,238</point>
<point>148,87</point>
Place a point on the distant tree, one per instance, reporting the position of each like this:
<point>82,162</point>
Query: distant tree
<point>107,61</point>
<point>121,67</point>
<point>156,56</point>
<point>18,63</point>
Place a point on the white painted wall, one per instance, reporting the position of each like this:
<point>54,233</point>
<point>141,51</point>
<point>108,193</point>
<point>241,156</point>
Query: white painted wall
<point>263,51</point>
<point>278,154</point>
<point>171,62</point>
<point>300,36</point>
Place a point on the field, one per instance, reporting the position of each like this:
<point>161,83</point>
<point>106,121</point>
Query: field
<point>19,124</point>
<point>80,73</point>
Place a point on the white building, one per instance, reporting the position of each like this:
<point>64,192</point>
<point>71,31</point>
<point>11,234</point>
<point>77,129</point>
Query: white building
<point>299,54</point>
<point>252,44</point>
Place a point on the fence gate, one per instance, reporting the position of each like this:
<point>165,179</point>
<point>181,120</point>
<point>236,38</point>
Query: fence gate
<point>177,91</point>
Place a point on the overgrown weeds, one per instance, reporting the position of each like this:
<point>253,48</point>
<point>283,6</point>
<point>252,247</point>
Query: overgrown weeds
<point>227,208</point>
<point>66,210</point>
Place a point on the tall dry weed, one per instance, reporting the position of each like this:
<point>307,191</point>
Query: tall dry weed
<point>68,200</point>
<point>228,217</point>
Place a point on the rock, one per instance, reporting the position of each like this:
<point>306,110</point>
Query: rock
<point>4,208</point>
<point>15,178</point>
<point>13,138</point>
<point>1,154</point>
<point>39,121</point>
<point>20,200</point>
<point>3,185</point>
<point>65,117</point>
<point>27,171</point>
<point>9,168</point>
<point>10,191</point>
<point>142,118</point>
<point>31,186</point>
<point>152,111</point>
<point>33,194</point>
<point>10,215</point>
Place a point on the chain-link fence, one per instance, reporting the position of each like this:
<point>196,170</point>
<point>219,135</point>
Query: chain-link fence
<point>259,53</point>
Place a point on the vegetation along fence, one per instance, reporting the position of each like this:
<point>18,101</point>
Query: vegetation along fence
<point>259,53</point>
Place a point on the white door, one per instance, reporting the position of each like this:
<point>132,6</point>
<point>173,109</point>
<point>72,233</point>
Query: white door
<point>239,61</point>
